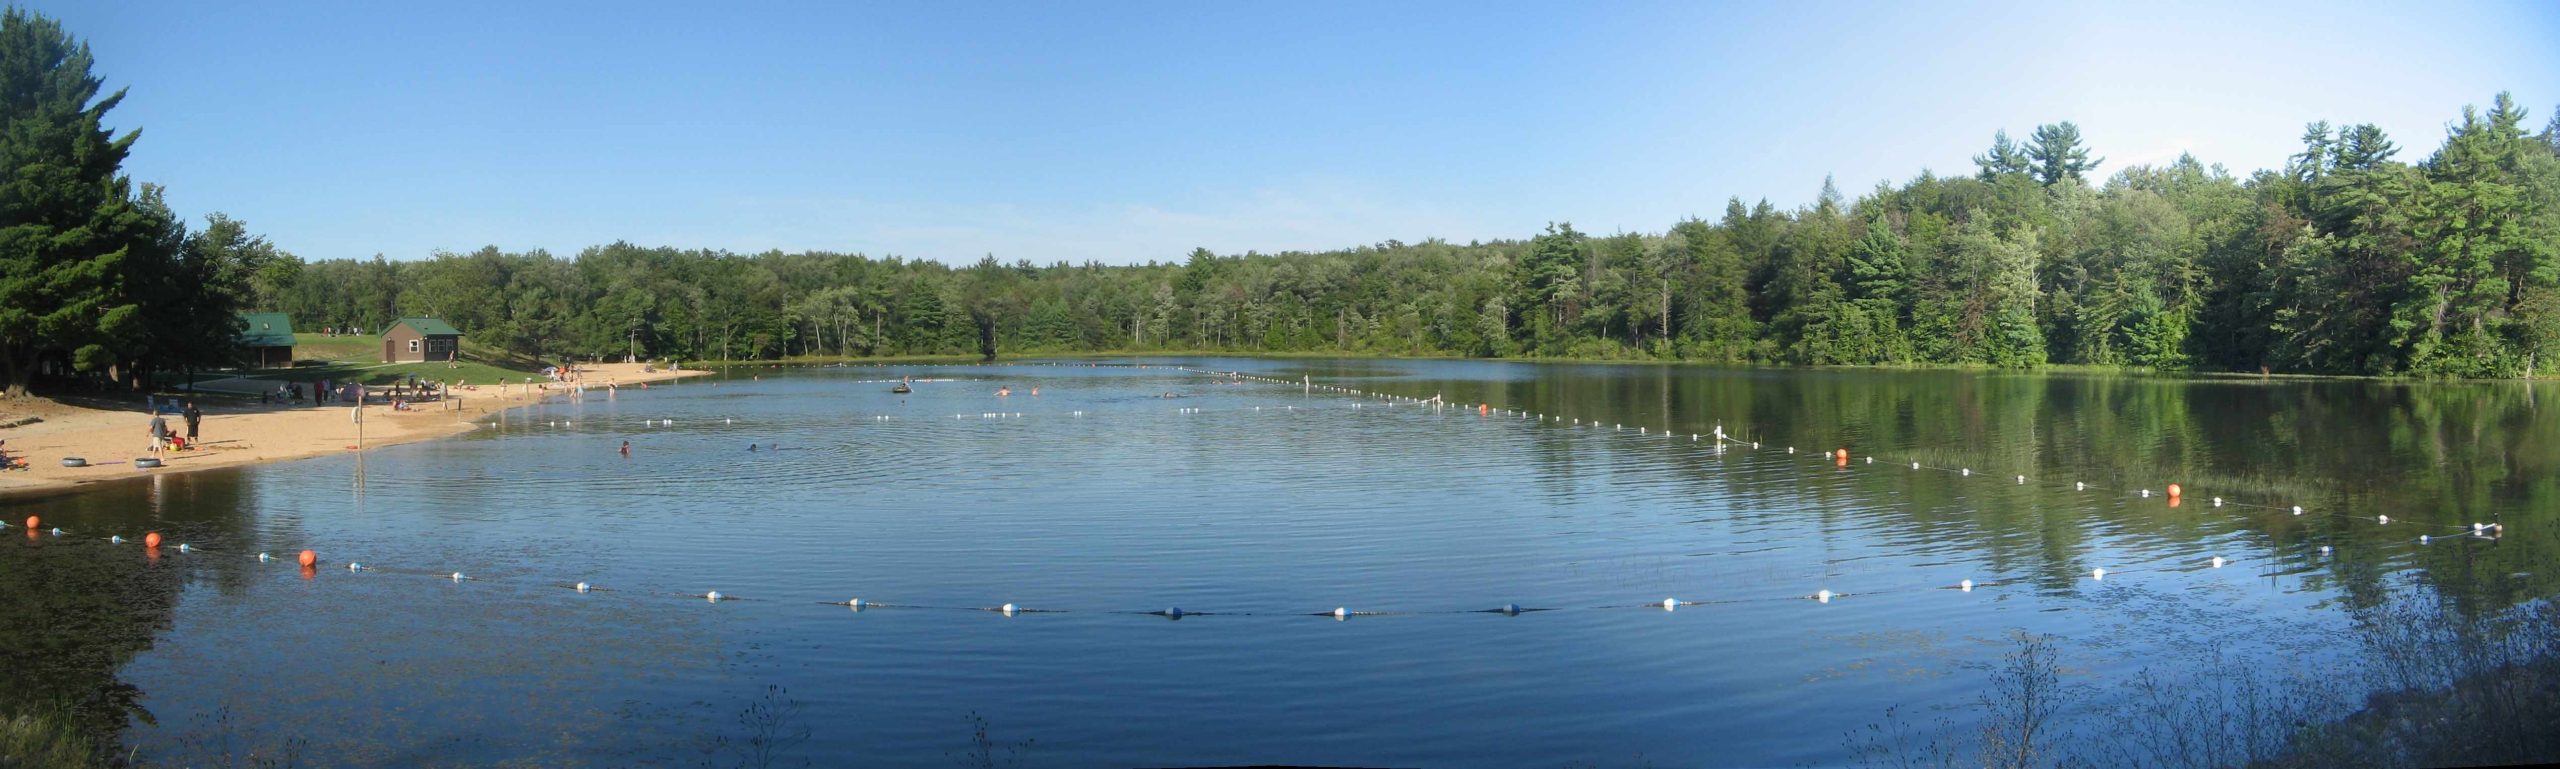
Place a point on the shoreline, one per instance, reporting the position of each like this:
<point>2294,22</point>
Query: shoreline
<point>237,434</point>
<point>2048,369</point>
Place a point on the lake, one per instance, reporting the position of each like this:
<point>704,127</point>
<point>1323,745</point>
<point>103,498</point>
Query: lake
<point>1258,508</point>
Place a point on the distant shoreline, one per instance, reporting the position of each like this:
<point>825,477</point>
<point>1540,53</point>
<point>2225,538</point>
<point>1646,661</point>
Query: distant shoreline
<point>2049,368</point>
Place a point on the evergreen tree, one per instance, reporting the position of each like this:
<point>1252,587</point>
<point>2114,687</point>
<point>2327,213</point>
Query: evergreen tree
<point>2004,157</point>
<point>68,219</point>
<point>2055,154</point>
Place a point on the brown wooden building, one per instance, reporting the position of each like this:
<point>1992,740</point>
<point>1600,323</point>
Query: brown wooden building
<point>417,340</point>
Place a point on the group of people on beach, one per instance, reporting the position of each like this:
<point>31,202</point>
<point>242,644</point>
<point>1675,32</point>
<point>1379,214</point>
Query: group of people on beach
<point>164,439</point>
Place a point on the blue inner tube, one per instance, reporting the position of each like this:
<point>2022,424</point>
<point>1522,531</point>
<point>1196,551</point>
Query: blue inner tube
<point>74,462</point>
<point>146,462</point>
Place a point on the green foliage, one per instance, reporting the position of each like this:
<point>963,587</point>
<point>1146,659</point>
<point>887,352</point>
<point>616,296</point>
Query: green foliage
<point>2054,154</point>
<point>97,275</point>
<point>2345,261</point>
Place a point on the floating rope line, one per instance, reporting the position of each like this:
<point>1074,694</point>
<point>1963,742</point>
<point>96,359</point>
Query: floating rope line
<point>1825,595</point>
<point>1721,441</point>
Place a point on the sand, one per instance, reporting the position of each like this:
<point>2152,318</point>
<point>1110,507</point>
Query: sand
<point>235,434</point>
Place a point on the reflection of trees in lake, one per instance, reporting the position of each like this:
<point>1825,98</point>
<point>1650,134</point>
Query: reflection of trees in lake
<point>76,608</point>
<point>2424,453</point>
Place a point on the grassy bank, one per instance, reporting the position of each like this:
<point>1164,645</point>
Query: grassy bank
<point>44,739</point>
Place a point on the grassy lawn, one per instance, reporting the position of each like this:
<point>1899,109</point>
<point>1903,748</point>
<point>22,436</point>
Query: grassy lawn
<point>322,347</point>
<point>359,359</point>
<point>372,373</point>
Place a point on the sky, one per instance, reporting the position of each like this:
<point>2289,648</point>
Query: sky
<point>1128,132</point>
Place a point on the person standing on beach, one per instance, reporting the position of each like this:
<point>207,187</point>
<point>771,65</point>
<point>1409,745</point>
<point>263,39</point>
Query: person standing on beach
<point>193,416</point>
<point>159,432</point>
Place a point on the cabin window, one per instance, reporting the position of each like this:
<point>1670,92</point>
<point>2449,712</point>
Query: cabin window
<point>413,345</point>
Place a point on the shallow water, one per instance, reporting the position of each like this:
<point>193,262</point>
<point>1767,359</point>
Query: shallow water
<point>1256,507</point>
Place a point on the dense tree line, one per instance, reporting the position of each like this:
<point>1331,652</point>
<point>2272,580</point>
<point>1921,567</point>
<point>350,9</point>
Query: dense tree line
<point>2347,260</point>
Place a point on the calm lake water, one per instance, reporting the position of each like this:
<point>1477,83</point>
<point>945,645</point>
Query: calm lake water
<point>1258,506</point>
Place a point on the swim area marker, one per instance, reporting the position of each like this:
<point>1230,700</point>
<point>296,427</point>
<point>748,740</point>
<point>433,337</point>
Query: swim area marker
<point>1836,460</point>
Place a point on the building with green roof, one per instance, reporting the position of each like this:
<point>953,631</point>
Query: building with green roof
<point>418,340</point>
<point>266,340</point>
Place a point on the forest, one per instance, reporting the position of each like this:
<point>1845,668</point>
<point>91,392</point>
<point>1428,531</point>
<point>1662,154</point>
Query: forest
<point>2350,259</point>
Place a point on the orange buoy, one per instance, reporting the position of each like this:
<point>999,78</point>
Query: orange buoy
<point>309,559</point>
<point>2173,491</point>
<point>151,540</point>
<point>32,521</point>
<point>1841,454</point>
<point>2173,500</point>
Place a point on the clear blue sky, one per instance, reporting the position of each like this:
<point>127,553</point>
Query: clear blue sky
<point>1125,132</point>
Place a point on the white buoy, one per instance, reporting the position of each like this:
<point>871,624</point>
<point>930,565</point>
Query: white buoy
<point>117,539</point>
<point>1009,609</point>
<point>457,577</point>
<point>1669,604</point>
<point>2382,519</point>
<point>1511,608</point>
<point>57,531</point>
<point>2324,549</point>
<point>263,557</point>
<point>1173,612</point>
<point>1967,472</point>
<point>2022,480</point>
<point>2422,539</point>
<point>1791,449</point>
<point>713,596</point>
<point>1755,445</point>
<point>2217,501</point>
<point>2099,573</point>
<point>2146,493</point>
<point>183,548</point>
<point>2217,562</point>
<point>855,604</point>
<point>2297,509</point>
<point>1966,586</point>
<point>584,587</point>
<point>1341,612</point>
<point>728,421</point>
<point>353,566</point>
<point>1822,595</point>
<point>2476,528</point>
<point>1915,465</point>
<point>2079,486</point>
<point>1871,460</point>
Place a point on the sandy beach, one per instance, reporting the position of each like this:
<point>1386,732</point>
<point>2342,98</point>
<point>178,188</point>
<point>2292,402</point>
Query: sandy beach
<point>237,434</point>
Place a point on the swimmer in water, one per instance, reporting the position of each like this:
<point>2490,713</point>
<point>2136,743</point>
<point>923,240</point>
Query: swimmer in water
<point>1003,392</point>
<point>753,447</point>
<point>1035,392</point>
<point>626,448</point>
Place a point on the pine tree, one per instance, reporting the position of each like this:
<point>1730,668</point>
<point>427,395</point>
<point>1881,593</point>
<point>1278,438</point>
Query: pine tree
<point>67,217</point>
<point>2004,158</point>
<point>2055,153</point>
